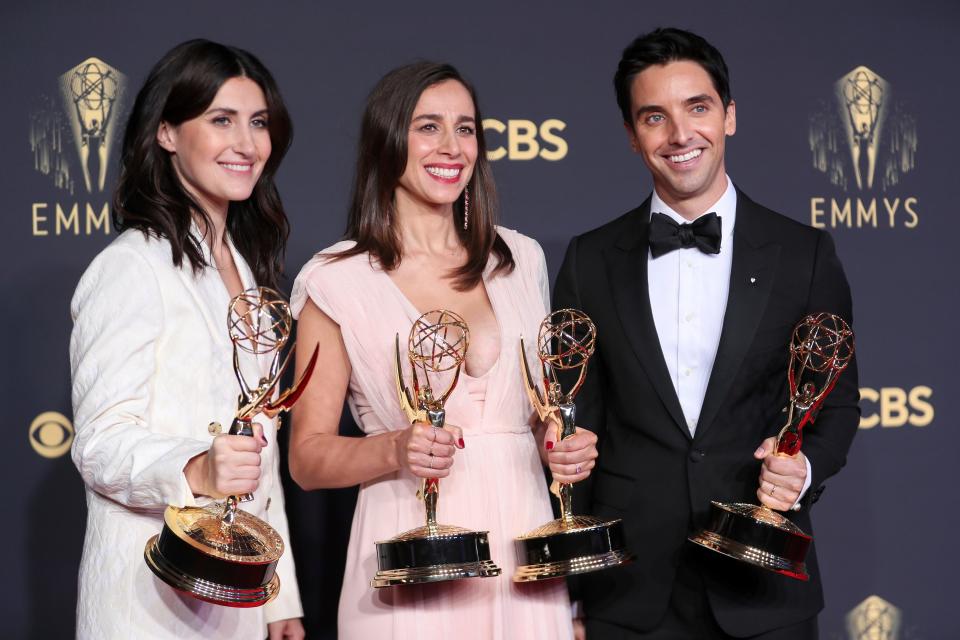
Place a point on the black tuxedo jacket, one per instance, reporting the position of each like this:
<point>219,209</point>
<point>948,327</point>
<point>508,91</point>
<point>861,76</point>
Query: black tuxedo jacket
<point>650,472</point>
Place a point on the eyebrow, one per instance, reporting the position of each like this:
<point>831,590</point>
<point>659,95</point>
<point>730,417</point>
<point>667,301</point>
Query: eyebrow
<point>647,108</point>
<point>232,112</point>
<point>436,117</point>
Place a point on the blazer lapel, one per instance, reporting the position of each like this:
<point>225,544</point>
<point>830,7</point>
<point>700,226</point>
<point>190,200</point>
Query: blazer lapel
<point>208,291</point>
<point>751,279</point>
<point>627,270</point>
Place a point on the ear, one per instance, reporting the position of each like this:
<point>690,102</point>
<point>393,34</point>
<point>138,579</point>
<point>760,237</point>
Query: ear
<point>632,137</point>
<point>730,119</point>
<point>167,137</point>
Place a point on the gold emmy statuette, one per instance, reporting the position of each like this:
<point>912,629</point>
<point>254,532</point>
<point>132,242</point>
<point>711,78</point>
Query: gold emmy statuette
<point>570,544</point>
<point>820,349</point>
<point>438,342</point>
<point>220,553</point>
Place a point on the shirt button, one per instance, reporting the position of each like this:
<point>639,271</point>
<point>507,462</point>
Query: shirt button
<point>688,317</point>
<point>697,455</point>
<point>686,373</point>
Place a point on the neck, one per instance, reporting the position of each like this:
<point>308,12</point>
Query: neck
<point>214,232</point>
<point>425,228</point>
<point>692,207</point>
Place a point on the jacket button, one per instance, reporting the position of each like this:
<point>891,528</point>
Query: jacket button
<point>697,455</point>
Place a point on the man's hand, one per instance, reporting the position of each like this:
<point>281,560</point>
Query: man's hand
<point>289,629</point>
<point>781,477</point>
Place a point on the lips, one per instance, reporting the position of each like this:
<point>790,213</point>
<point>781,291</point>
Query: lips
<point>237,167</point>
<point>685,157</point>
<point>444,173</point>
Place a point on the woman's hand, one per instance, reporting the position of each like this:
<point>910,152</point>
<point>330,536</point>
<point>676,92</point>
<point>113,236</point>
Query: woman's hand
<point>289,629</point>
<point>571,459</point>
<point>231,466</point>
<point>427,452</point>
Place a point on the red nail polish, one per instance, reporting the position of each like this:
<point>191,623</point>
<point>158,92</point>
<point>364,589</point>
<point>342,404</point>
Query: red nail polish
<point>549,445</point>
<point>460,442</point>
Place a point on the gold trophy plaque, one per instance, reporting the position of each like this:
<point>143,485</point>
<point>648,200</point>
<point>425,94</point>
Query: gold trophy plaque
<point>570,544</point>
<point>820,349</point>
<point>219,553</point>
<point>438,342</point>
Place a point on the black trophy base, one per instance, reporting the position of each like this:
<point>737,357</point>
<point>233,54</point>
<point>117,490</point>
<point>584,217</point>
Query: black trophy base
<point>566,547</point>
<point>756,535</point>
<point>433,554</point>
<point>201,555</point>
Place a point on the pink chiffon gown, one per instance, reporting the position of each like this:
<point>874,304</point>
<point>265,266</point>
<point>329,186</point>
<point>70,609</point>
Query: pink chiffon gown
<point>496,483</point>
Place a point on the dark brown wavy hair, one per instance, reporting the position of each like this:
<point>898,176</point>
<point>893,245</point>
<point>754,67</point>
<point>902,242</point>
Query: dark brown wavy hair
<point>150,197</point>
<point>381,161</point>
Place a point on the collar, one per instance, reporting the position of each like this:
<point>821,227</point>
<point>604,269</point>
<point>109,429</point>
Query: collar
<point>725,208</point>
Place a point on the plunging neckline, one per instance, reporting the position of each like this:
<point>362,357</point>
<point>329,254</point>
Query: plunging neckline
<point>413,313</point>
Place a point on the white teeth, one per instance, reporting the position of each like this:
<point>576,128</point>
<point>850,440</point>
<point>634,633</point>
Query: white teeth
<point>443,173</point>
<point>237,167</point>
<point>687,156</point>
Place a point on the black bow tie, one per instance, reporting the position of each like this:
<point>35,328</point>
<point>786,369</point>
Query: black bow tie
<point>667,235</point>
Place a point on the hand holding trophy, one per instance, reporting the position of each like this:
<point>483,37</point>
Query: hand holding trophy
<point>219,553</point>
<point>570,544</point>
<point>437,343</point>
<point>820,349</point>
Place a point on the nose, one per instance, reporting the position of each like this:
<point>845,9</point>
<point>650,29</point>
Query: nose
<point>449,143</point>
<point>680,131</point>
<point>243,141</point>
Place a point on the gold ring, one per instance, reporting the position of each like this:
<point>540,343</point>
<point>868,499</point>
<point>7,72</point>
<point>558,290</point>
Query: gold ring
<point>773,488</point>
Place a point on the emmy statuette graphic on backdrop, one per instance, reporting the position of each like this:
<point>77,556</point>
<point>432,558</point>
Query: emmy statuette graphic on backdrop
<point>219,553</point>
<point>434,552</point>
<point>570,544</point>
<point>820,349</point>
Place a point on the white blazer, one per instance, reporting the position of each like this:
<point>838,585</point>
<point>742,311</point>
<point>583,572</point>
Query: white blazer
<point>152,366</point>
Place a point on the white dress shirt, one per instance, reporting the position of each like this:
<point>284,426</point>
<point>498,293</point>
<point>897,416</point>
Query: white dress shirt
<point>688,296</point>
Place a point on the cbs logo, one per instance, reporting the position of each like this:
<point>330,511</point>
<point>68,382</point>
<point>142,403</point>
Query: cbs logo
<point>895,407</point>
<point>51,434</point>
<point>524,139</point>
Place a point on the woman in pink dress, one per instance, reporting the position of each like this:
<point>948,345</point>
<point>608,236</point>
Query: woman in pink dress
<point>421,236</point>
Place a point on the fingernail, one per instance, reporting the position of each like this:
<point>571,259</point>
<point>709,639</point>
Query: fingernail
<point>549,445</point>
<point>758,452</point>
<point>460,442</point>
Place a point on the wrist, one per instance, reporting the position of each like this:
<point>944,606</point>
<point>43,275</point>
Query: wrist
<point>196,472</point>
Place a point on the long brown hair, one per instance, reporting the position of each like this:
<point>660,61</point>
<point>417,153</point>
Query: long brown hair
<point>381,161</point>
<point>150,197</point>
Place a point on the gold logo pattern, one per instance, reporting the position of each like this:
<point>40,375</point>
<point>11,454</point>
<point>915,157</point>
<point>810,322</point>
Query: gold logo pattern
<point>51,434</point>
<point>91,95</point>
<point>863,139</point>
<point>874,619</point>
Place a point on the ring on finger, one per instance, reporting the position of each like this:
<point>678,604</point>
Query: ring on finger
<point>579,469</point>
<point>773,488</point>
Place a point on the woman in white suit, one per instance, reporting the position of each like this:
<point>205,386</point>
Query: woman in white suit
<point>201,221</point>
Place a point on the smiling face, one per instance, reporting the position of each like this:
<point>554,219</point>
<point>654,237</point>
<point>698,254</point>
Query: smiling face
<point>679,127</point>
<point>441,146</point>
<point>220,154</point>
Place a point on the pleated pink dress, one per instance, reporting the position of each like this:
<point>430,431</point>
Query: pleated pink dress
<point>496,483</point>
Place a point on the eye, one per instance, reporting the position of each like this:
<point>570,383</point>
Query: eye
<point>655,118</point>
<point>429,127</point>
<point>259,123</point>
<point>466,129</point>
<point>221,121</point>
<point>699,108</point>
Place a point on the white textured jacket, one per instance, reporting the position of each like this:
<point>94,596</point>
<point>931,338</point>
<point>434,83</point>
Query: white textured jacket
<point>152,366</point>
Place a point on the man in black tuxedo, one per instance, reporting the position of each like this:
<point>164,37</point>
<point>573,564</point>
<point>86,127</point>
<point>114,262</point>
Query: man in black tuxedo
<point>695,294</point>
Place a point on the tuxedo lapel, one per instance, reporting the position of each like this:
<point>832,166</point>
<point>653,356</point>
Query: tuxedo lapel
<point>626,263</point>
<point>752,273</point>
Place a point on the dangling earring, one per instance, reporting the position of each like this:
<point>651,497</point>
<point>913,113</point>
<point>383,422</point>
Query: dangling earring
<point>466,208</point>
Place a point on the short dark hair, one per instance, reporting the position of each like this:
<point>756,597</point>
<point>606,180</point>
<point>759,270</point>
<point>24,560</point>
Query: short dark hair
<point>382,159</point>
<point>668,45</point>
<point>150,197</point>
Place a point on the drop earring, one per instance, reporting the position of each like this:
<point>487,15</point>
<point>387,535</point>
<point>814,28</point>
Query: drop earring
<point>466,208</point>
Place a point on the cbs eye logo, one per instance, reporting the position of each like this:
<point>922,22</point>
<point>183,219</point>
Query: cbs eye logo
<point>51,434</point>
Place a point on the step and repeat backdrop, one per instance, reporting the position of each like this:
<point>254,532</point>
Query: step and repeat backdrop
<point>846,121</point>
